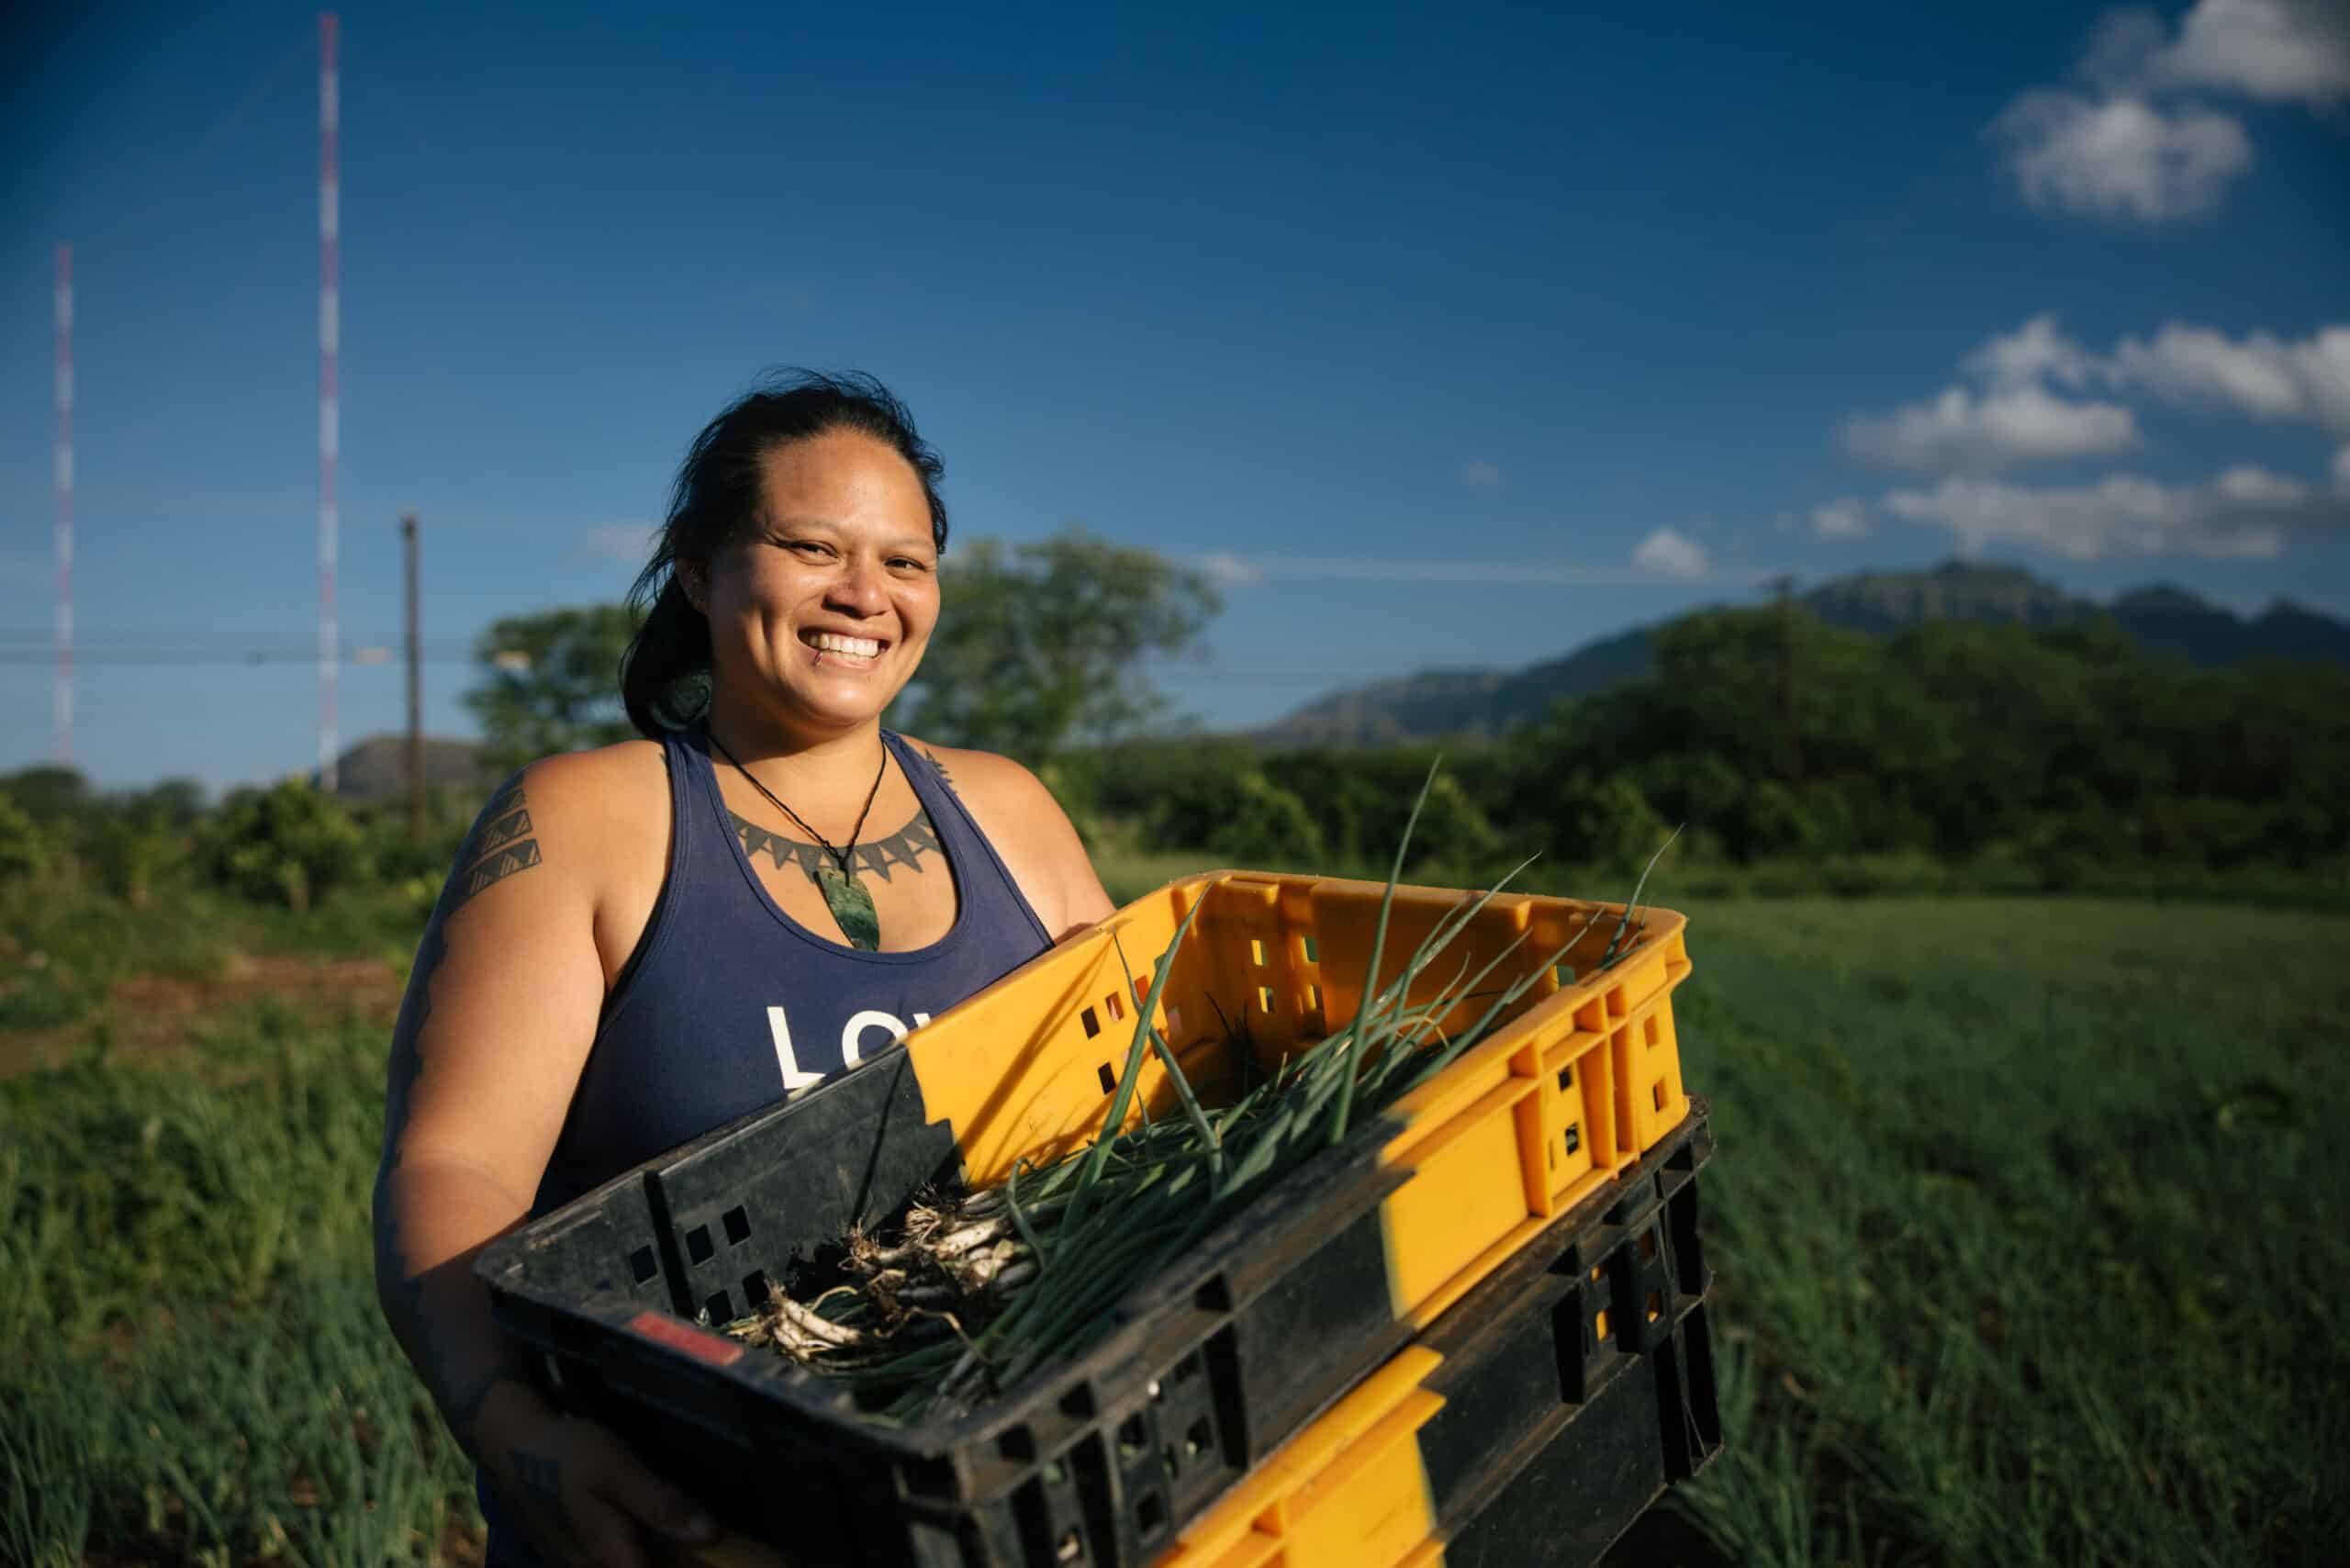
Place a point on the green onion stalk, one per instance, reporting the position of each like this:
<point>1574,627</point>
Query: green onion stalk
<point>972,1291</point>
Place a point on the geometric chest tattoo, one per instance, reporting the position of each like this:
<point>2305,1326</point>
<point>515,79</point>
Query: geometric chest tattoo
<point>904,847</point>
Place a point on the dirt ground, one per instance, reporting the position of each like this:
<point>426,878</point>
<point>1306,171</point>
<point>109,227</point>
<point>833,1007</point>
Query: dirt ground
<point>152,1016</point>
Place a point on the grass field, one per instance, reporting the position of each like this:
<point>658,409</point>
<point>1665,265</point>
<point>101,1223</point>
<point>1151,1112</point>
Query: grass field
<point>2027,1213</point>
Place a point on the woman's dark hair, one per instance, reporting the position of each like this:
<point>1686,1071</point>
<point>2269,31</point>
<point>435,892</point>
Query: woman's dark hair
<point>664,674</point>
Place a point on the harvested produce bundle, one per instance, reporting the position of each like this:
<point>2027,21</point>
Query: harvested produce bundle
<point>971,1292</point>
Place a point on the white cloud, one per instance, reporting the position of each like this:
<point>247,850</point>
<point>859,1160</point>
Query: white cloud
<point>1846,519</point>
<point>2258,374</point>
<point>630,543</point>
<point>2259,488</point>
<point>2135,147</point>
<point>1960,433</point>
<point>1672,554</point>
<point>1227,570</point>
<point>2121,157</point>
<point>2278,50</point>
<point>2247,512</point>
<point>2036,351</point>
<point>1480,474</point>
<point>1663,555</point>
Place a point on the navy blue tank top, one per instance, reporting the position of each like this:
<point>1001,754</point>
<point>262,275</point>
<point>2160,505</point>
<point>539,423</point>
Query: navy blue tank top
<point>729,1004</point>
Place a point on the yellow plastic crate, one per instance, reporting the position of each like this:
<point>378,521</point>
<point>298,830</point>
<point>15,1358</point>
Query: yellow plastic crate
<point>1579,1083</point>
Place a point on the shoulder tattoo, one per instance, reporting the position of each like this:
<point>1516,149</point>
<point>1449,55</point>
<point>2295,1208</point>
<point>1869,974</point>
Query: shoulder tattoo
<point>502,844</point>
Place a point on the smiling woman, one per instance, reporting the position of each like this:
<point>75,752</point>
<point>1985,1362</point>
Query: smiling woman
<point>764,890</point>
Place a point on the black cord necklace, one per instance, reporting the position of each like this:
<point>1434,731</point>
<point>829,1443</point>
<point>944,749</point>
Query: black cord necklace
<point>851,905</point>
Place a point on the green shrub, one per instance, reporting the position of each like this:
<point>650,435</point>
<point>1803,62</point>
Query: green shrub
<point>286,845</point>
<point>1264,824</point>
<point>21,853</point>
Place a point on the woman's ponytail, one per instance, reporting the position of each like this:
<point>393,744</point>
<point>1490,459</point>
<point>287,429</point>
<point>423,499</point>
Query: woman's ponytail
<point>664,674</point>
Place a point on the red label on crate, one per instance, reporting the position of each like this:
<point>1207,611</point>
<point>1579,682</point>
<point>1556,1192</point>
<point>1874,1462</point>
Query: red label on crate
<point>667,1331</point>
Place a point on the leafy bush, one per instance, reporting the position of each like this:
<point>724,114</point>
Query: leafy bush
<point>21,855</point>
<point>288,845</point>
<point>1264,824</point>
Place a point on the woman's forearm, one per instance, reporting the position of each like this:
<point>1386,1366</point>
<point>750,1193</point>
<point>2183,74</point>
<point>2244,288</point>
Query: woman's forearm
<point>431,1218</point>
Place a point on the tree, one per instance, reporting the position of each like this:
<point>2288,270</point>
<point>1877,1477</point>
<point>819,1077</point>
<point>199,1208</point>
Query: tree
<point>1038,646</point>
<point>551,682</point>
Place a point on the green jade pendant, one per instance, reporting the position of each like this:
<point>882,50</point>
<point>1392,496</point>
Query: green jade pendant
<point>851,905</point>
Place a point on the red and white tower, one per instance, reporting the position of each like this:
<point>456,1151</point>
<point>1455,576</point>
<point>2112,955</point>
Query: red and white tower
<point>330,406</point>
<point>64,701</point>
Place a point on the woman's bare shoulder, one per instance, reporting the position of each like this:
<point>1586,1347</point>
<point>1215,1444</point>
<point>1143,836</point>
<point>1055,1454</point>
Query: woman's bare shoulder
<point>1029,829</point>
<point>983,775</point>
<point>594,803</point>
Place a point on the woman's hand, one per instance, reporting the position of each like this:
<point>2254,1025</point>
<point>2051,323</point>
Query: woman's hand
<point>583,1495</point>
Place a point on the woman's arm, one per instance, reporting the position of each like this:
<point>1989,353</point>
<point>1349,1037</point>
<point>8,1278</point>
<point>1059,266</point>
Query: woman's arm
<point>500,1011</point>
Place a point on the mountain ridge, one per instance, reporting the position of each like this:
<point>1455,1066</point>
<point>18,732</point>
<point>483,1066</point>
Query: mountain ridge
<point>2161,616</point>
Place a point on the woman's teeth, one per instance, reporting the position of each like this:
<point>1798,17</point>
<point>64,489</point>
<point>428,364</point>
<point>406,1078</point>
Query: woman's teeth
<point>858,648</point>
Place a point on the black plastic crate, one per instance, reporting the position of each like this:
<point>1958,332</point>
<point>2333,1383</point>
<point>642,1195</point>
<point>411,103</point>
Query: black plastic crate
<point>1531,1424</point>
<point>1573,1486</point>
<point>1100,1460</point>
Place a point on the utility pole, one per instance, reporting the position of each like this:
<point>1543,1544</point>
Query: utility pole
<point>415,685</point>
<point>1784,586</point>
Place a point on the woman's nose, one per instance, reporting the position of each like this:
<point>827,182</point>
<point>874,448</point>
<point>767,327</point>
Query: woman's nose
<point>860,587</point>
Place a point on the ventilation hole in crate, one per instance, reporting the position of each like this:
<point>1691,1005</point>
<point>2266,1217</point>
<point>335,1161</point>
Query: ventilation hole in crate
<point>1078,1402</point>
<point>1017,1444</point>
<point>1599,1323</point>
<point>1214,1296</point>
<point>1656,1092</point>
<point>1071,1550</point>
<point>1594,1270</point>
<point>1133,1433</point>
<point>642,1265</point>
<point>698,1247</point>
<point>756,1289</point>
<point>1151,1515</point>
<point>1187,1368</point>
<point>1256,952</point>
<point>1313,996</point>
<point>1201,1434</point>
<point>1648,1244</point>
<point>1093,1025</point>
<point>1574,1136</point>
<point>1648,1028</point>
<point>1116,1006</point>
<point>1265,999</point>
<point>737,1224</point>
<point>1056,1474</point>
<point>1174,1465</point>
<point>1109,1080</point>
<point>1174,1019</point>
<point>721,1310</point>
<point>1656,1305</point>
<point>928,1478</point>
<point>1564,974</point>
<point>1566,1078</point>
<point>1313,951</point>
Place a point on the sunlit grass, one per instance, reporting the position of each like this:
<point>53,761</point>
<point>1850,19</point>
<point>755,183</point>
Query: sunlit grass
<point>2025,1216</point>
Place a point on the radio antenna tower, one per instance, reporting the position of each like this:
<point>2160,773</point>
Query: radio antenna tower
<point>330,400</point>
<point>64,701</point>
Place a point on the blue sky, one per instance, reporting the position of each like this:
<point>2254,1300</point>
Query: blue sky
<point>1453,335</point>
